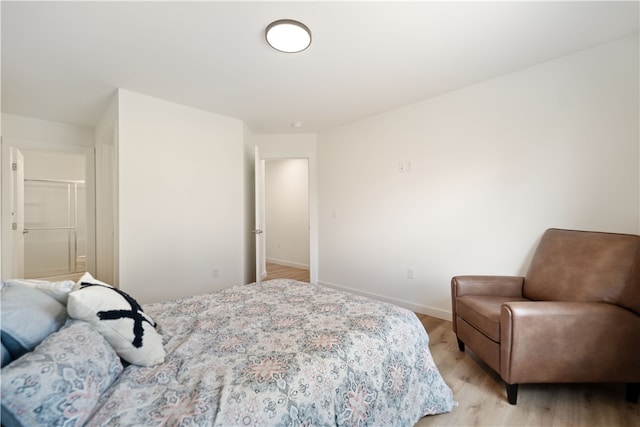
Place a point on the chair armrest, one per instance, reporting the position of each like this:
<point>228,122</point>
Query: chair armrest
<point>549,341</point>
<point>505,286</point>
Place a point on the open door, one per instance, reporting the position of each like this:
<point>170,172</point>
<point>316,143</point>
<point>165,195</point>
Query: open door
<point>261,260</point>
<point>15,264</point>
<point>18,209</point>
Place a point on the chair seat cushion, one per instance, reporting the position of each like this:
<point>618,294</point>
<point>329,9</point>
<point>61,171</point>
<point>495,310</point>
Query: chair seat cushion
<point>483,312</point>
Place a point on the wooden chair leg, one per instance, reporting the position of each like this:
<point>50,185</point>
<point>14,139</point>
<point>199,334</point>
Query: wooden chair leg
<point>460,345</point>
<point>633,392</point>
<point>512,393</point>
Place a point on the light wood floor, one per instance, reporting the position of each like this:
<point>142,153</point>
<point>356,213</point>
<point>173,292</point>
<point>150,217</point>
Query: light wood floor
<point>277,271</point>
<point>482,398</point>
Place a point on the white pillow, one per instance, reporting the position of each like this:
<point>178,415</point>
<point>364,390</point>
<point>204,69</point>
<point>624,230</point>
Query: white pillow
<point>119,318</point>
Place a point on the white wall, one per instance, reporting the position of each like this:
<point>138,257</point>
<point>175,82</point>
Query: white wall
<point>28,128</point>
<point>491,167</point>
<point>48,165</point>
<point>286,145</point>
<point>106,137</point>
<point>181,203</point>
<point>287,212</point>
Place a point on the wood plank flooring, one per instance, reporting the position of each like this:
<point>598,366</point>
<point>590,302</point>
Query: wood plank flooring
<point>482,400</point>
<point>277,271</point>
<point>481,396</point>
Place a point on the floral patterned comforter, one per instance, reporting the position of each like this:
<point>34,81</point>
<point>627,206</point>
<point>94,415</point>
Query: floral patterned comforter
<point>280,353</point>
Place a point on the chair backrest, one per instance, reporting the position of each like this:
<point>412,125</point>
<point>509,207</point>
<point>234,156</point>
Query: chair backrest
<point>586,266</point>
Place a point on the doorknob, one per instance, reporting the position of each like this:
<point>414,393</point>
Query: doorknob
<point>257,231</point>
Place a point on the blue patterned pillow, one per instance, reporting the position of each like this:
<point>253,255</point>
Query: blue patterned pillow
<point>57,290</point>
<point>28,317</point>
<point>6,356</point>
<point>60,382</point>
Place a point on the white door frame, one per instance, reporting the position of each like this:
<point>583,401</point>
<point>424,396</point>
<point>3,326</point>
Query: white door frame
<point>13,210</point>
<point>313,204</point>
<point>260,226</point>
<point>27,144</point>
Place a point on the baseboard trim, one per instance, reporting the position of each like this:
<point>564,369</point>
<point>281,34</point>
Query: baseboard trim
<point>288,263</point>
<point>417,308</point>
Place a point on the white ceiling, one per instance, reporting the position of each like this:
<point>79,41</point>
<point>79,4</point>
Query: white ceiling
<point>62,61</point>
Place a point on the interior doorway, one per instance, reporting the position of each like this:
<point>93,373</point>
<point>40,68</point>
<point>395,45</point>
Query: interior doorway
<point>55,218</point>
<point>287,214</point>
<point>262,233</point>
<point>54,196</point>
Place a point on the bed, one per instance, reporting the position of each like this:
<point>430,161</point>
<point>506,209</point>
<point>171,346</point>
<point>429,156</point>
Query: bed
<point>280,352</point>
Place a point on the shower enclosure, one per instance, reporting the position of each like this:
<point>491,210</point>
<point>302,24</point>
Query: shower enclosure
<point>55,228</point>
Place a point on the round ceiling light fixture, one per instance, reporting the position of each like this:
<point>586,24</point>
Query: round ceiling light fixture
<point>287,35</point>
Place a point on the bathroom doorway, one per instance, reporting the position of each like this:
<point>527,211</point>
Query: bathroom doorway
<point>53,199</point>
<point>55,215</point>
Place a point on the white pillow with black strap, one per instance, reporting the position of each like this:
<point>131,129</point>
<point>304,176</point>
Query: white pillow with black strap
<point>119,318</point>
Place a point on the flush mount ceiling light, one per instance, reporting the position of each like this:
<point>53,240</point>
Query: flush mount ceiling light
<point>287,35</point>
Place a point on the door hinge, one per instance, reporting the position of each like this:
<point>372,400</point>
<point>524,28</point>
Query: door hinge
<point>14,166</point>
<point>14,226</point>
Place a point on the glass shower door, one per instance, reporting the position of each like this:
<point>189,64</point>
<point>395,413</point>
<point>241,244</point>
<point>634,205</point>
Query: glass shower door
<point>55,230</point>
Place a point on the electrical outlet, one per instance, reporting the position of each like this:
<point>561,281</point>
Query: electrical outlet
<point>410,273</point>
<point>404,167</point>
<point>215,273</point>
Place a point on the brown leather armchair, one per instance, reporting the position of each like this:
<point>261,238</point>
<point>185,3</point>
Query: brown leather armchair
<point>575,317</point>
